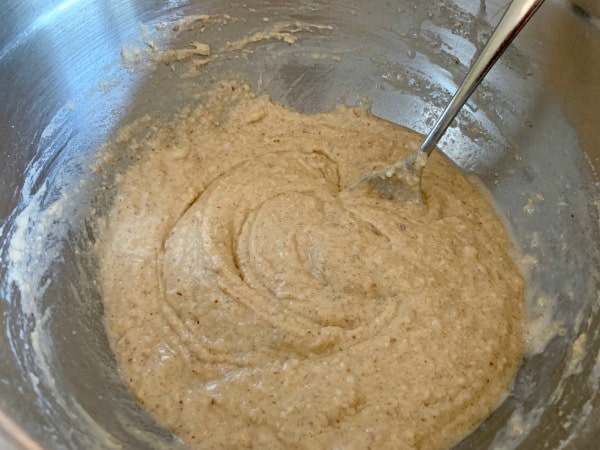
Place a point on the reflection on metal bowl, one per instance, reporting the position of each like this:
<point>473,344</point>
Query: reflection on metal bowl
<point>72,71</point>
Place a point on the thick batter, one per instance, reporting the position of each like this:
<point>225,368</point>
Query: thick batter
<point>253,301</point>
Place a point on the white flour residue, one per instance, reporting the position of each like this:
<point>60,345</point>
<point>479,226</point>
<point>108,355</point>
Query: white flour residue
<point>518,426</point>
<point>34,243</point>
<point>541,325</point>
<point>577,354</point>
<point>154,45</point>
<point>282,32</point>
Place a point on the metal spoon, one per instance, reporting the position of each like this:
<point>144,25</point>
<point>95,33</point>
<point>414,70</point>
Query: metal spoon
<point>403,179</point>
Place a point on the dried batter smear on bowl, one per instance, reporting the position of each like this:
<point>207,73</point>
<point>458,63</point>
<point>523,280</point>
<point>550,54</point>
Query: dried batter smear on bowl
<point>253,301</point>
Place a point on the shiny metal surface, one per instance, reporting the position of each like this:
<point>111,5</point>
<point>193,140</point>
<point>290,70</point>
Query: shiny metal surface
<point>402,180</point>
<point>512,22</point>
<point>64,89</point>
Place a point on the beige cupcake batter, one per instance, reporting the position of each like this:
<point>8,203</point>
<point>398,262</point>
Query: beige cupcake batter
<point>251,301</point>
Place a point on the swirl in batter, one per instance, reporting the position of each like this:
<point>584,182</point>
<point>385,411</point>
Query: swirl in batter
<point>253,301</point>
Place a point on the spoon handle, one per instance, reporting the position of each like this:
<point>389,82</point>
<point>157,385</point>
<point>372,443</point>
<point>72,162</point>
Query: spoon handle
<point>514,19</point>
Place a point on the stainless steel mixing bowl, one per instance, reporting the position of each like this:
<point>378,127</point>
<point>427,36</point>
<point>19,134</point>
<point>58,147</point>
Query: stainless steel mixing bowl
<point>72,71</point>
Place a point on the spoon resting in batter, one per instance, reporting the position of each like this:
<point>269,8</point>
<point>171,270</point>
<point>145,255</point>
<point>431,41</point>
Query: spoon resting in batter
<point>403,179</point>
